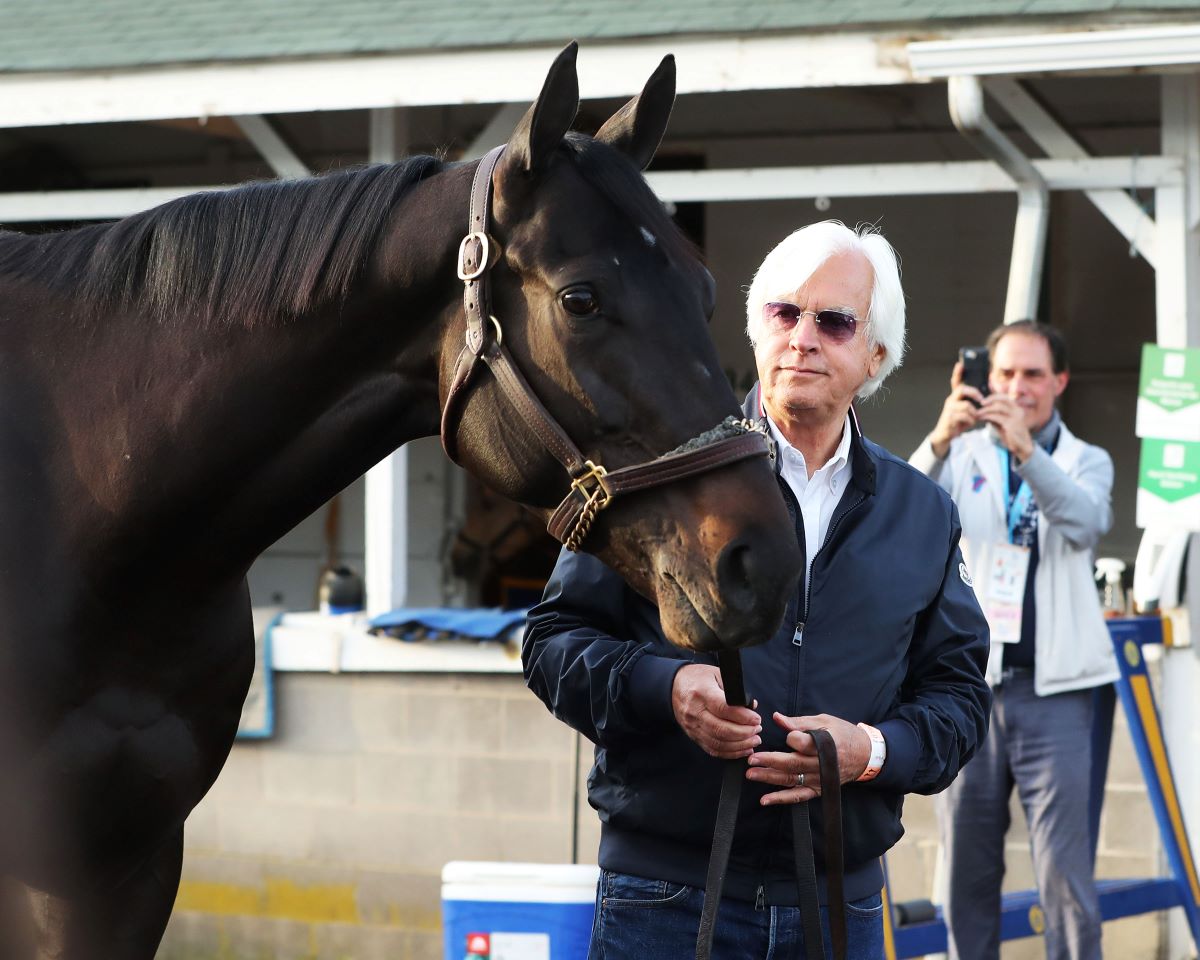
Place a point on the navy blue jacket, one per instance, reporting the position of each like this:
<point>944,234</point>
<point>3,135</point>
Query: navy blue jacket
<point>892,636</point>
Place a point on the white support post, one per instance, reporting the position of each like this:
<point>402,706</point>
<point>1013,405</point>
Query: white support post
<point>389,134</point>
<point>1177,210</point>
<point>266,139</point>
<point>496,131</point>
<point>1033,195</point>
<point>1134,224</point>
<point>386,511</point>
<point>386,508</point>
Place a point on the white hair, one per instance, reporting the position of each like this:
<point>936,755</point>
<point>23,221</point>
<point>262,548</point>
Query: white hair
<point>797,257</point>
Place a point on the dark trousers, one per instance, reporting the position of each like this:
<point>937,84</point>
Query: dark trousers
<point>1041,745</point>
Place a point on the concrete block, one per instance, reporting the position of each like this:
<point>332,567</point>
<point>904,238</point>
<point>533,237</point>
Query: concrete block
<point>920,817</point>
<point>319,779</point>
<point>1123,767</point>
<point>268,829</point>
<point>1134,938</point>
<point>910,869</point>
<point>1018,828</point>
<point>1115,867</point>
<point>538,841</point>
<point>508,786</point>
<point>266,938</point>
<point>406,900</point>
<point>1127,824</point>
<point>1029,948</point>
<point>223,868</point>
<point>240,780</point>
<point>424,946</point>
<point>1018,863</point>
<point>191,936</point>
<point>340,941</point>
<point>314,713</point>
<point>379,711</point>
<point>367,837</point>
<point>529,729</point>
<point>466,721</point>
<point>383,839</point>
<point>586,820</point>
<point>202,832</point>
<point>409,781</point>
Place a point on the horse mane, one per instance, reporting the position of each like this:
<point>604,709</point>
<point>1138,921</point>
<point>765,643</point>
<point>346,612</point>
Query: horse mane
<point>254,254</point>
<point>268,251</point>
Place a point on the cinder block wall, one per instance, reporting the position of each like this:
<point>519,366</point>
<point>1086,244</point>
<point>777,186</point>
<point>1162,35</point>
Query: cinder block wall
<point>327,842</point>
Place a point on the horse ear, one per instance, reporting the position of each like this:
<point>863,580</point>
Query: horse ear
<point>638,127</point>
<point>548,120</point>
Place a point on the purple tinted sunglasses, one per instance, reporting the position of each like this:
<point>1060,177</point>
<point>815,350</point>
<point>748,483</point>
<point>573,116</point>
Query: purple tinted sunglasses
<point>837,326</point>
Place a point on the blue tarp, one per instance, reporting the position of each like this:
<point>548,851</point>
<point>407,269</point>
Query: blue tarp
<point>488,623</point>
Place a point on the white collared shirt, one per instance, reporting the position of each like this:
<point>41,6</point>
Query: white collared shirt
<point>819,494</point>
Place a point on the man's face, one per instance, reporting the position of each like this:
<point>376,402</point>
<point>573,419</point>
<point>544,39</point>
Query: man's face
<point>1023,369</point>
<point>806,375</point>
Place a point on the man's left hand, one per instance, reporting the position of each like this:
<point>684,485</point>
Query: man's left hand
<point>1003,412</point>
<point>853,750</point>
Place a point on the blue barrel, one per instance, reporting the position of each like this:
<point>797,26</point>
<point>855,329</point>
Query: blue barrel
<point>532,911</point>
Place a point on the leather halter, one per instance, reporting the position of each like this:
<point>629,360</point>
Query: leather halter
<point>592,486</point>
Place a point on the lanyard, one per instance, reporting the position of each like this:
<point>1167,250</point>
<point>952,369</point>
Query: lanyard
<point>1018,504</point>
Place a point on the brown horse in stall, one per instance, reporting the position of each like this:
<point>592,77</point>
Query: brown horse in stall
<point>179,388</point>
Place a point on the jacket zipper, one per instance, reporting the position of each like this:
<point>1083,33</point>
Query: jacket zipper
<point>808,574</point>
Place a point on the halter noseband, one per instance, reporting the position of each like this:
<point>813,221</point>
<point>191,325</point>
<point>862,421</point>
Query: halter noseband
<point>592,486</point>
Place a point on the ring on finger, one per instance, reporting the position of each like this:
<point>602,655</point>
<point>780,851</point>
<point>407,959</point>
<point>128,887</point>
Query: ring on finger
<point>799,779</point>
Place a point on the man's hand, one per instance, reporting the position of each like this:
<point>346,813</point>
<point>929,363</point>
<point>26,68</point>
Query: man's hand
<point>1006,415</point>
<point>960,413</point>
<point>698,700</point>
<point>853,750</point>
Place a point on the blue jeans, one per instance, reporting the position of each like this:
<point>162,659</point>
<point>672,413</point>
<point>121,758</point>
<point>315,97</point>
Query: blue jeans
<point>638,919</point>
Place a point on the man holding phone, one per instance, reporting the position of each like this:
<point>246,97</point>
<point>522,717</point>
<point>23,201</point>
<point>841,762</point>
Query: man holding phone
<point>1034,501</point>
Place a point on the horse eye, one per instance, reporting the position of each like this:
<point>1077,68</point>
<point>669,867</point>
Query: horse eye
<point>580,301</point>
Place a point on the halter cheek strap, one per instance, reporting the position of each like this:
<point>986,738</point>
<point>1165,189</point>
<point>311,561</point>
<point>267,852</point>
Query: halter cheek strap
<point>592,487</point>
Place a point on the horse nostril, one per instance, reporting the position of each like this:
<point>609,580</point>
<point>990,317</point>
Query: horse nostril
<point>736,576</point>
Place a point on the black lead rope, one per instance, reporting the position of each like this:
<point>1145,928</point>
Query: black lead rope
<point>732,778</point>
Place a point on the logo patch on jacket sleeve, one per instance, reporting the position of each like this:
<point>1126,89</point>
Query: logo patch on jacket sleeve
<point>966,577</point>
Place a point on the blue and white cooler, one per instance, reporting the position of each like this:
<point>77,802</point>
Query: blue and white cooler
<point>517,911</point>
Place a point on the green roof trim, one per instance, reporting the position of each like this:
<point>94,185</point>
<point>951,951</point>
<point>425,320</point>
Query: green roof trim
<point>54,35</point>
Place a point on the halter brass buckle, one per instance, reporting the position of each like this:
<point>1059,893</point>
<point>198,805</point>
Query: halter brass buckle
<point>600,494</point>
<point>485,256</point>
<point>594,500</point>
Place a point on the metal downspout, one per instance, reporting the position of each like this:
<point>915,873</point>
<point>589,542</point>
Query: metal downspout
<point>1033,196</point>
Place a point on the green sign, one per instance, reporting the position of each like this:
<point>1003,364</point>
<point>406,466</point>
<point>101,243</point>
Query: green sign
<point>1169,484</point>
<point>1168,405</point>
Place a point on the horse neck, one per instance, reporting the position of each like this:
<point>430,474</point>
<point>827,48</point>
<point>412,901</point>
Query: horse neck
<point>221,440</point>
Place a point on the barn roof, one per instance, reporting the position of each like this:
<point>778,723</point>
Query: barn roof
<point>64,35</point>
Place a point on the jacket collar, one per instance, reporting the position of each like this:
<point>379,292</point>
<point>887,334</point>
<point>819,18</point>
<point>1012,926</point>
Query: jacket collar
<point>863,465</point>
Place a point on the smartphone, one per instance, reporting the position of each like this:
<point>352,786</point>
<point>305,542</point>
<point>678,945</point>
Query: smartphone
<point>976,365</point>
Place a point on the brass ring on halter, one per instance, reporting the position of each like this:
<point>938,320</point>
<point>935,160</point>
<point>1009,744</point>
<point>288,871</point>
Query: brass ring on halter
<point>499,332</point>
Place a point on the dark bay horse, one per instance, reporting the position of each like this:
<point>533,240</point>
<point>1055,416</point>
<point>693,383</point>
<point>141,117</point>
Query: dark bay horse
<point>180,388</point>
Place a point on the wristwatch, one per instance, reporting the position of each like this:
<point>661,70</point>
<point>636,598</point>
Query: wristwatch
<point>878,753</point>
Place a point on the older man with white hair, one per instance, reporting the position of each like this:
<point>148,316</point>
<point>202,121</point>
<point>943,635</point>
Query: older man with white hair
<point>883,645</point>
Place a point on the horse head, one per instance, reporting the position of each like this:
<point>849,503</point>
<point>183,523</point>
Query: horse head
<point>603,306</point>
